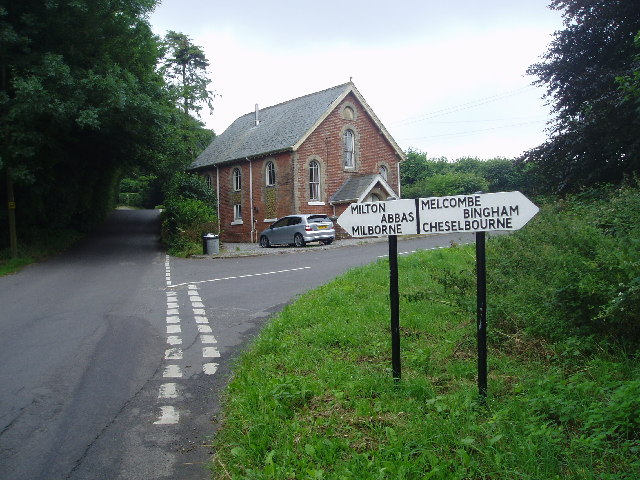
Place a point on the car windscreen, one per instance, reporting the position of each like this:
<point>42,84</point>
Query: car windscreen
<point>318,219</point>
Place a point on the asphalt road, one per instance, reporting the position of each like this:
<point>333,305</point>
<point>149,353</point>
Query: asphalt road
<point>113,355</point>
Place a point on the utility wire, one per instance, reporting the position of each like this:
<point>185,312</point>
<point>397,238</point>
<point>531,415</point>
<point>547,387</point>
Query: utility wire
<point>471,132</point>
<point>464,106</point>
<point>489,120</point>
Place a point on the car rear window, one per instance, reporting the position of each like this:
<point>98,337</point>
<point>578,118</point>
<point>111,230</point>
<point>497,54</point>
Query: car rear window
<point>319,219</point>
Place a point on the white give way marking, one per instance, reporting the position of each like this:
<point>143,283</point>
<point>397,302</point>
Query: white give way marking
<point>169,392</point>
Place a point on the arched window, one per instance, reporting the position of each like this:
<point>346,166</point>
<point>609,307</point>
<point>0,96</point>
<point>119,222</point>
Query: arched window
<point>207,179</point>
<point>237,179</point>
<point>349,149</point>
<point>314,180</point>
<point>270,172</point>
<point>383,171</point>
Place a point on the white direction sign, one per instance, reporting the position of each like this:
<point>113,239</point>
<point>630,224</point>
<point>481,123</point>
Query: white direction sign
<point>372,219</point>
<point>483,212</point>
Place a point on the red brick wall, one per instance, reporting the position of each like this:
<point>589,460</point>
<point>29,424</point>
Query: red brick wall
<point>326,143</point>
<point>281,195</point>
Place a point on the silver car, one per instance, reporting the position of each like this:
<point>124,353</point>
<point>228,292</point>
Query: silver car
<point>298,230</point>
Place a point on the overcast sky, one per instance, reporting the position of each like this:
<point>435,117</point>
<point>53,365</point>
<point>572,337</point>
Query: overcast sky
<point>445,77</point>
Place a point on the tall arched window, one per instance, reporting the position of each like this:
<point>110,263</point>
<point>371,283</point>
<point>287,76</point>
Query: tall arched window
<point>207,179</point>
<point>314,180</point>
<point>383,171</point>
<point>270,174</point>
<point>237,179</point>
<point>349,149</point>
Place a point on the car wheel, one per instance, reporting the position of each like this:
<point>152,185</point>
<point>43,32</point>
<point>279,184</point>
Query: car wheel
<point>298,240</point>
<point>264,242</point>
<point>328,242</point>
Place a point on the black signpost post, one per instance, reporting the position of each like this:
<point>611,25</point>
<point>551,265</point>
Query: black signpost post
<point>481,286</point>
<point>394,303</point>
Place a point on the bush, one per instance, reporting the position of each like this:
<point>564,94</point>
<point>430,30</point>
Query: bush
<point>438,176</point>
<point>186,185</point>
<point>454,183</point>
<point>189,212</point>
<point>184,220</point>
<point>576,273</point>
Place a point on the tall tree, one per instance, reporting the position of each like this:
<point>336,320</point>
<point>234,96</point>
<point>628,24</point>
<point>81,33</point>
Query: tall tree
<point>185,67</point>
<point>630,83</point>
<point>79,90</point>
<point>594,137</point>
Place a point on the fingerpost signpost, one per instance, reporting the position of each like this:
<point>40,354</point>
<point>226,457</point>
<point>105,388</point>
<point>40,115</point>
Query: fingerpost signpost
<point>476,213</point>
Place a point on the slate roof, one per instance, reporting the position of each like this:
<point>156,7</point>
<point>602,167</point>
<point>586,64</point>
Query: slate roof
<point>355,188</point>
<point>280,128</point>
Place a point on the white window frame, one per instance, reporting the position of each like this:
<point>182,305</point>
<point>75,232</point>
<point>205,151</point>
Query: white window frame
<point>237,179</point>
<point>314,180</point>
<point>270,174</point>
<point>384,172</point>
<point>237,214</point>
<point>349,146</point>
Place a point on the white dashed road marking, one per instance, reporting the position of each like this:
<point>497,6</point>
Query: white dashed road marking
<point>192,284</point>
<point>210,368</point>
<point>172,371</point>
<point>168,416</point>
<point>168,390</point>
<point>169,393</point>
<point>173,354</point>
<point>210,352</point>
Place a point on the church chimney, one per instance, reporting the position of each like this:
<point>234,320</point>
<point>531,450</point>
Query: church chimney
<point>257,117</point>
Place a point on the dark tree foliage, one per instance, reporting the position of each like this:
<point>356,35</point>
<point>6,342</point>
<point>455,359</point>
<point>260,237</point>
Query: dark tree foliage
<point>630,84</point>
<point>80,100</point>
<point>185,68</point>
<point>426,177</point>
<point>595,136</point>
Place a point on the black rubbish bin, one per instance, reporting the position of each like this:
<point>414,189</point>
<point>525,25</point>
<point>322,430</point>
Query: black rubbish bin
<point>210,244</point>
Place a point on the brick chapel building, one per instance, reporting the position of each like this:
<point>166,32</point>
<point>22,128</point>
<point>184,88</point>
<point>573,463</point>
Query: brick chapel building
<point>313,154</point>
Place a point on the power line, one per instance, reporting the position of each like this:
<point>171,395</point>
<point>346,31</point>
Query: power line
<point>488,120</point>
<point>472,132</point>
<point>464,106</point>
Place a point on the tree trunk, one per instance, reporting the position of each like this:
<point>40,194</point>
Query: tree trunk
<point>11,205</point>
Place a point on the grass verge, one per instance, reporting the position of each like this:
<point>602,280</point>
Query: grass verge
<point>37,248</point>
<point>314,399</point>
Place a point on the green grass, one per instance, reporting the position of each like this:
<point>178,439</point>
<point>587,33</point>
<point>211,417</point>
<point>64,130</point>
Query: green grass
<point>39,247</point>
<point>314,398</point>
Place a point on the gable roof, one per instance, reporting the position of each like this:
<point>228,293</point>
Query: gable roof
<point>282,127</point>
<point>356,189</point>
